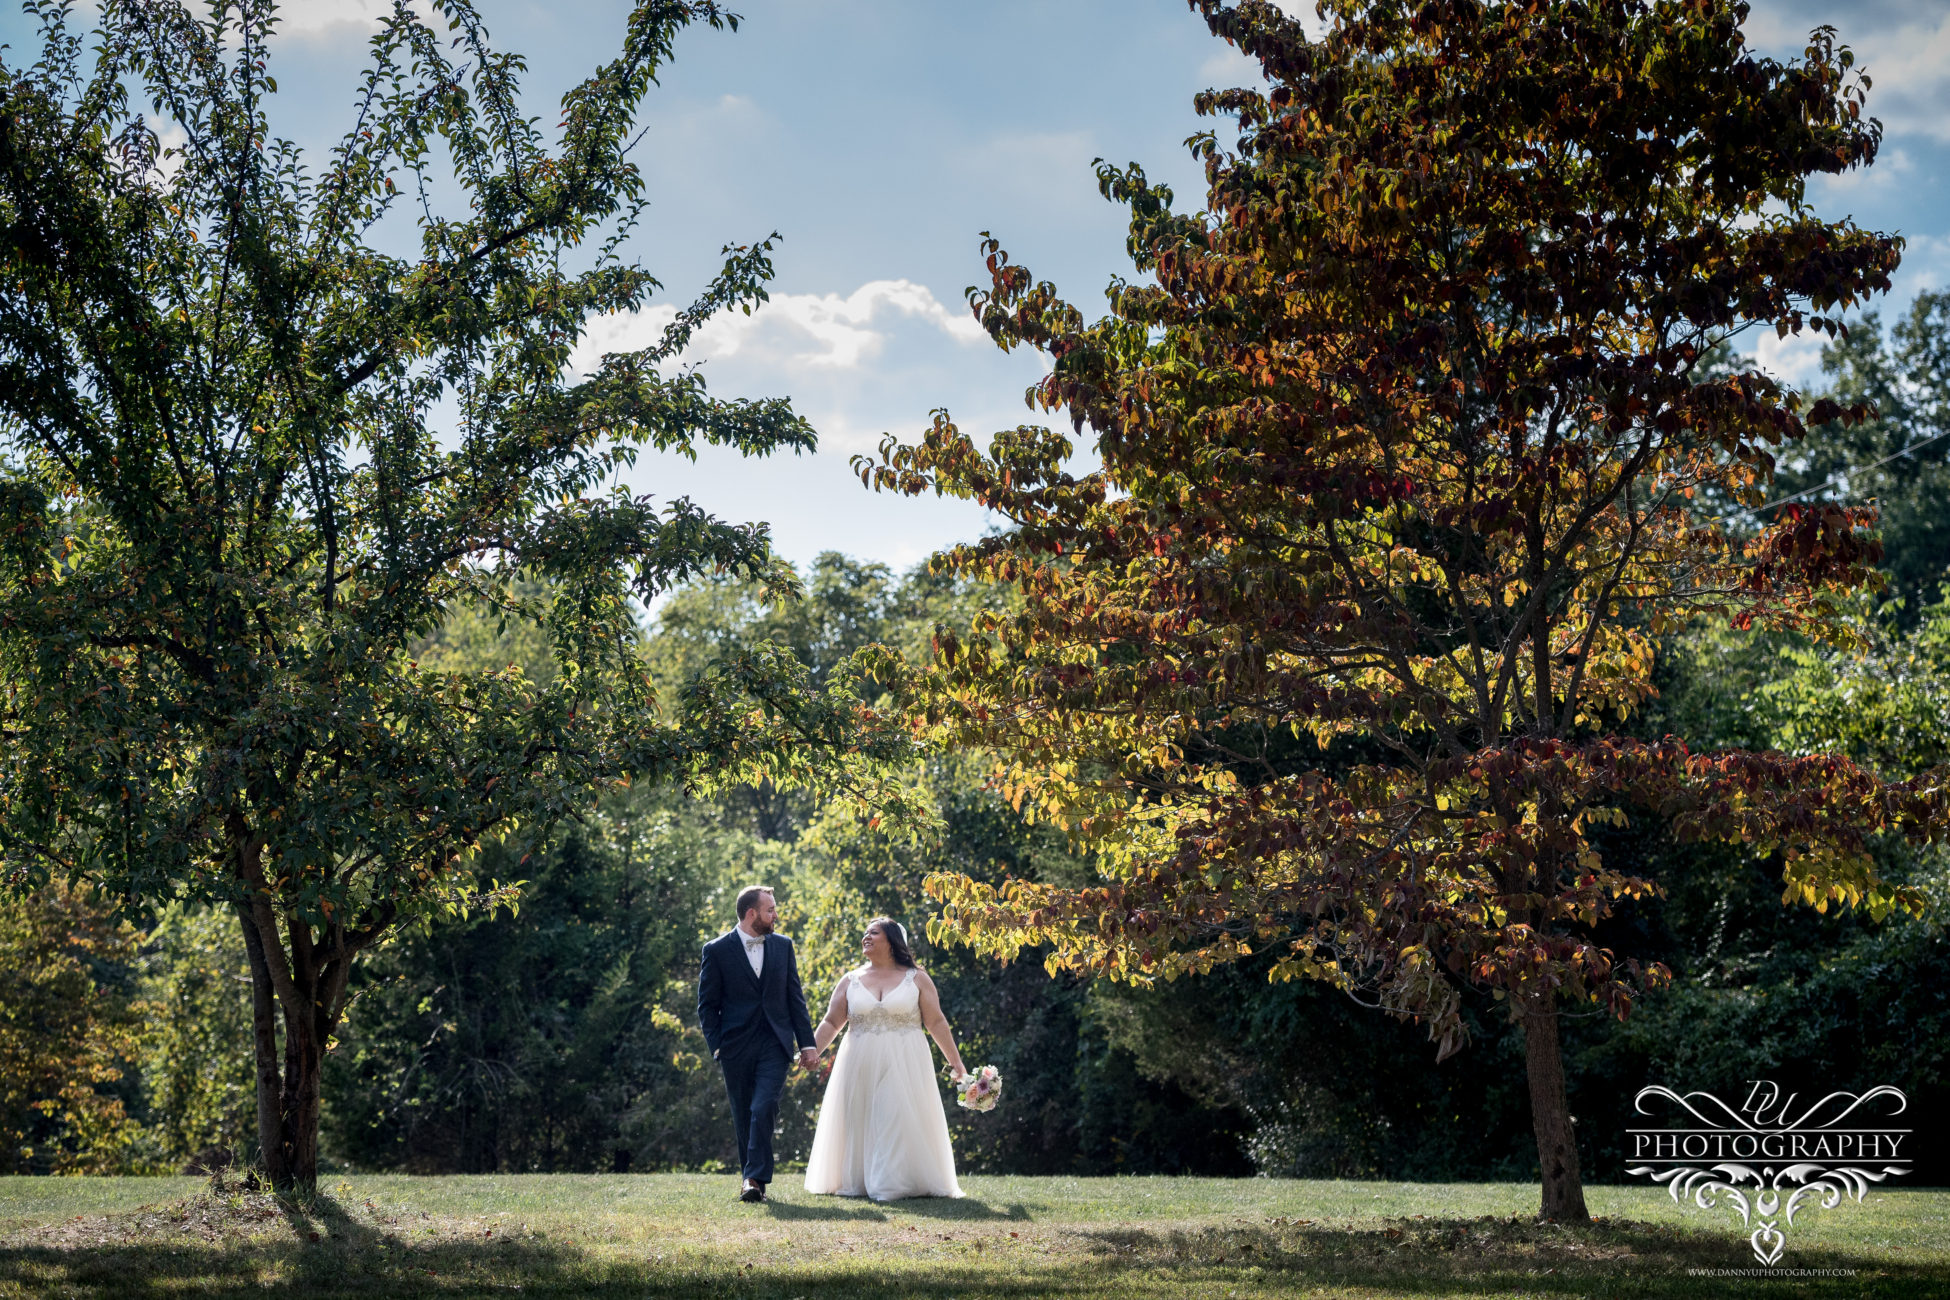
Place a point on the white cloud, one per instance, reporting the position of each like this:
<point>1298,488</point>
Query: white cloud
<point>794,332</point>
<point>1911,71</point>
<point>1307,11</point>
<point>1229,67</point>
<point>1794,360</point>
<point>1891,166</point>
<point>857,365</point>
<point>171,139</point>
<point>1926,266</point>
<point>1903,45</point>
<point>313,17</point>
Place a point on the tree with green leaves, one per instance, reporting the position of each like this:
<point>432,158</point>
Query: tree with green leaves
<point>193,1055</point>
<point>549,1041</point>
<point>230,508</point>
<point>69,1031</point>
<point>1331,658</point>
<point>847,606</point>
<point>1899,460</point>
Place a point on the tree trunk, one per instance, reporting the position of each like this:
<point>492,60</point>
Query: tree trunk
<point>1550,1114</point>
<point>271,1146</point>
<point>304,1060</point>
<point>288,1091</point>
<point>307,984</point>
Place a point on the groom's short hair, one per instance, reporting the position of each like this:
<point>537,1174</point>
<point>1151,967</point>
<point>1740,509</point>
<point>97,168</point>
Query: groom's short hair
<point>748,898</point>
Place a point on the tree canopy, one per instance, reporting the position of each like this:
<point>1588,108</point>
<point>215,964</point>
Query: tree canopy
<point>1408,454</point>
<point>1899,460</point>
<point>230,506</point>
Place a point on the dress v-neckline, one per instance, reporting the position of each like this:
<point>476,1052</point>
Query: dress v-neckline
<point>880,999</point>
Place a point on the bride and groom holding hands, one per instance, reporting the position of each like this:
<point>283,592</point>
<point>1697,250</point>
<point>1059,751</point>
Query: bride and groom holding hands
<point>882,1132</point>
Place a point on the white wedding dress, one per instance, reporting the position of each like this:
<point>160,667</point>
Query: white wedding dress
<point>882,1132</point>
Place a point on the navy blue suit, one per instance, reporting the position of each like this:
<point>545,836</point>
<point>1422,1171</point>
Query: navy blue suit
<point>750,1022</point>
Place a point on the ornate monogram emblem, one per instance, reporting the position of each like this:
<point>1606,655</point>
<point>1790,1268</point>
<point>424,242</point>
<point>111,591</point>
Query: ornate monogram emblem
<point>1764,1161</point>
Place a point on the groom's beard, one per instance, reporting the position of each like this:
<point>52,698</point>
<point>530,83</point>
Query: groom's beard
<point>761,928</point>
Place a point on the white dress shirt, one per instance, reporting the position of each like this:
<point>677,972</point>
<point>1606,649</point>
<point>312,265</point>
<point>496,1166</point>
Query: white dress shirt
<point>754,949</point>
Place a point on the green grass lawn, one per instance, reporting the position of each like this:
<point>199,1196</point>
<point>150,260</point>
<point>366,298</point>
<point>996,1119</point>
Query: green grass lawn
<point>685,1235</point>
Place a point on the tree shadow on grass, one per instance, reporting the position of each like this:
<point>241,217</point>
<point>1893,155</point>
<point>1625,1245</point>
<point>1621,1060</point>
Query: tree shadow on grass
<point>968,1208</point>
<point>315,1270</point>
<point>1469,1257</point>
<point>824,1210</point>
<point>364,1250</point>
<point>964,1209</point>
<point>230,1242</point>
<point>315,1218</point>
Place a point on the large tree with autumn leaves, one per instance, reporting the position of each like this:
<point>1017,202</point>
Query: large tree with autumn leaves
<point>1409,448</point>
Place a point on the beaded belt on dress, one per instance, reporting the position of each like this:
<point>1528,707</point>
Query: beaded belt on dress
<point>875,1020</point>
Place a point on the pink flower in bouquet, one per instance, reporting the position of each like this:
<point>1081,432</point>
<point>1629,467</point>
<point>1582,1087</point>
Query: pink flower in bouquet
<point>980,1089</point>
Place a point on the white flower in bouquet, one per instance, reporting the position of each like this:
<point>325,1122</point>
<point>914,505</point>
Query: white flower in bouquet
<point>980,1089</point>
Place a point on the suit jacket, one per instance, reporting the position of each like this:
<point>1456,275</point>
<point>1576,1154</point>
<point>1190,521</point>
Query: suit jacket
<point>732,1003</point>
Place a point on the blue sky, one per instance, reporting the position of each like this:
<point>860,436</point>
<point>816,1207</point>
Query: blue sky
<point>880,136</point>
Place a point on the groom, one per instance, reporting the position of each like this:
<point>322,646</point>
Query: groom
<point>752,1008</point>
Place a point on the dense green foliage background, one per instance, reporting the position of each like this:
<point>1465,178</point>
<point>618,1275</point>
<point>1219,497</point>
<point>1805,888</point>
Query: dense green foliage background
<point>561,1037</point>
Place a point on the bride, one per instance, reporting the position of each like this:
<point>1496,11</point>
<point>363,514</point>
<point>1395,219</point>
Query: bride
<point>882,1132</point>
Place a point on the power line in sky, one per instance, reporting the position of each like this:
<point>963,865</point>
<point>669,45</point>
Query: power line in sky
<point>1833,479</point>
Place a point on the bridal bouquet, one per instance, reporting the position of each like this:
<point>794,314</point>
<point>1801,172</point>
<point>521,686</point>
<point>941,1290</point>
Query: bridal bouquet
<point>980,1089</point>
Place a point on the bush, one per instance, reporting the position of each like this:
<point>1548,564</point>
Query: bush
<point>68,1028</point>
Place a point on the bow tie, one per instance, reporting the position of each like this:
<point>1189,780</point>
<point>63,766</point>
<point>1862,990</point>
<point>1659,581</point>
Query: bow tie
<point>754,943</point>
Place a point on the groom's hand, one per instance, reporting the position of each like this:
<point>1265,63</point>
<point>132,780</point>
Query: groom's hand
<point>808,1057</point>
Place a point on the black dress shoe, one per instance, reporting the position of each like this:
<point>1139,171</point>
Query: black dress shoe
<point>754,1193</point>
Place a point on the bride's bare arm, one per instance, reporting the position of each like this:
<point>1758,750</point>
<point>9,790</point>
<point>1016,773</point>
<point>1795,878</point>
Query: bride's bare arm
<point>835,1020</point>
<point>937,1024</point>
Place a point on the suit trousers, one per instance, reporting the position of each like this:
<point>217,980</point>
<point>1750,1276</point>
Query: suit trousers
<point>754,1076</point>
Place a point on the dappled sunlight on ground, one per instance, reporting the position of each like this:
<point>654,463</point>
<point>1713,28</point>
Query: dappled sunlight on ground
<point>1011,1237</point>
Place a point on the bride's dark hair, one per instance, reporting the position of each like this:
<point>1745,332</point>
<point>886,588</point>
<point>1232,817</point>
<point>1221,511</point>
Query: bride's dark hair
<point>896,939</point>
